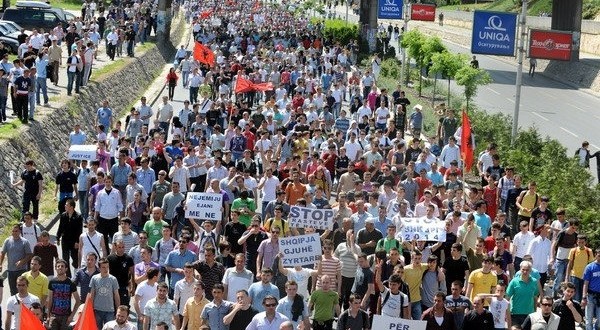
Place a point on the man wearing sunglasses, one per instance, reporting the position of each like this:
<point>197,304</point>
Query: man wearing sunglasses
<point>270,318</point>
<point>542,319</point>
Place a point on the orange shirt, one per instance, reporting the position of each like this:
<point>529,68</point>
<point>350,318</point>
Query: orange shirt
<point>294,191</point>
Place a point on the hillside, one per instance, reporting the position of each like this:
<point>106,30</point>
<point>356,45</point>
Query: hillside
<point>591,8</point>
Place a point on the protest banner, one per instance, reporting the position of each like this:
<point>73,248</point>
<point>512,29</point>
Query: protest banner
<point>422,229</point>
<point>300,250</point>
<point>205,206</point>
<point>83,152</point>
<point>304,217</point>
<point>383,322</point>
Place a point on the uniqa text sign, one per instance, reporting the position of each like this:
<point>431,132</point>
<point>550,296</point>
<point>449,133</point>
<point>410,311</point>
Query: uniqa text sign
<point>494,33</point>
<point>83,152</point>
<point>389,9</point>
<point>422,229</point>
<point>304,217</point>
<point>300,250</point>
<point>205,206</point>
<point>550,45</point>
<point>382,322</point>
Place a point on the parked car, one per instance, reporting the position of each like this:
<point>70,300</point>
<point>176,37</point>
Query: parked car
<point>35,15</point>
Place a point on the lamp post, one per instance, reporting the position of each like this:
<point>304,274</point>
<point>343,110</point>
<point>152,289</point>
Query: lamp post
<point>519,82</point>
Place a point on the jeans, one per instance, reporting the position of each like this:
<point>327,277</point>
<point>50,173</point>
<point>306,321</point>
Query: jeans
<point>40,85</point>
<point>184,77</point>
<point>111,50</point>
<point>592,309</point>
<point>130,45</point>
<point>87,71</point>
<point>415,310</point>
<point>103,317</point>
<point>346,291</point>
<point>560,268</point>
<point>194,94</point>
<point>12,280</point>
<point>578,282</point>
<point>83,203</point>
<point>31,101</point>
<point>171,91</point>
<point>72,77</point>
<point>69,253</point>
<point>3,101</point>
<point>20,106</point>
<point>264,209</point>
<point>31,200</point>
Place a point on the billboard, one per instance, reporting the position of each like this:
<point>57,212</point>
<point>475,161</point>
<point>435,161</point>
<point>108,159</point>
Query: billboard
<point>421,12</point>
<point>550,45</point>
<point>494,33</point>
<point>389,9</point>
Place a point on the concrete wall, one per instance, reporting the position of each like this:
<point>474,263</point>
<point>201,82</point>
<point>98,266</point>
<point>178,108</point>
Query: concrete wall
<point>46,141</point>
<point>590,30</point>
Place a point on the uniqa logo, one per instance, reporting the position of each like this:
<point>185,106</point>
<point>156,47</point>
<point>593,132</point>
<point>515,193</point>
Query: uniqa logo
<point>494,30</point>
<point>390,3</point>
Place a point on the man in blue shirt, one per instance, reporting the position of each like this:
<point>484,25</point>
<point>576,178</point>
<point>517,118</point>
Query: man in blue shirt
<point>176,260</point>
<point>104,116</point>
<point>591,293</point>
<point>259,290</point>
<point>41,64</point>
<point>481,218</point>
<point>214,312</point>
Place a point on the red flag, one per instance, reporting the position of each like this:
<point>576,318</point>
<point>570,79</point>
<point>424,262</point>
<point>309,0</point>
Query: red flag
<point>466,142</point>
<point>206,14</point>
<point>203,54</point>
<point>256,5</point>
<point>87,319</point>
<point>243,85</point>
<point>29,321</point>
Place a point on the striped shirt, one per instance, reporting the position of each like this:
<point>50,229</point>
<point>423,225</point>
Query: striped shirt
<point>330,266</point>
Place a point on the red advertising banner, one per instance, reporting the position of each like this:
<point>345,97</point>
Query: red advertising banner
<point>420,12</point>
<point>550,45</point>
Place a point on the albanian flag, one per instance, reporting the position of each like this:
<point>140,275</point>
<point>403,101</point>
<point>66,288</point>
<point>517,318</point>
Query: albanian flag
<point>87,319</point>
<point>466,142</point>
<point>206,14</point>
<point>243,85</point>
<point>203,54</point>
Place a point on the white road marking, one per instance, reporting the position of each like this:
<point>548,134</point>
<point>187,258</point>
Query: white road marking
<point>566,130</point>
<point>508,98</point>
<point>492,90</point>
<point>540,116</point>
<point>594,146</point>
<point>578,108</point>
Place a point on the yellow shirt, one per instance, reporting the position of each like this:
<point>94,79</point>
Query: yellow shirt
<point>413,277</point>
<point>481,282</point>
<point>193,310</point>
<point>272,222</point>
<point>580,258</point>
<point>37,286</point>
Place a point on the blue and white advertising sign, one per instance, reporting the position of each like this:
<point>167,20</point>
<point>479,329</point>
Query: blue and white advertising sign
<point>494,33</point>
<point>389,9</point>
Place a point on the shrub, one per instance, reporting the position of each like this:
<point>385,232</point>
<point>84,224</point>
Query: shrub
<point>339,31</point>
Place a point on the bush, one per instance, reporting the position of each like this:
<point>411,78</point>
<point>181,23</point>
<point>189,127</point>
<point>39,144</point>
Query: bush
<point>391,68</point>
<point>339,31</point>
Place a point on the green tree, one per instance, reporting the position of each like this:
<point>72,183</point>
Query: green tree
<point>471,79</point>
<point>414,41</point>
<point>432,46</point>
<point>447,64</point>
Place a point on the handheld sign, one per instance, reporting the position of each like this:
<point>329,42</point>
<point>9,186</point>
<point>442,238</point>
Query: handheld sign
<point>300,250</point>
<point>304,217</point>
<point>422,229</point>
<point>383,322</point>
<point>83,152</point>
<point>206,206</point>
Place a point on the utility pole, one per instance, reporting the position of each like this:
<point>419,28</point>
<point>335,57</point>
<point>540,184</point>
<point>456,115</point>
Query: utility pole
<point>347,5</point>
<point>406,16</point>
<point>519,83</point>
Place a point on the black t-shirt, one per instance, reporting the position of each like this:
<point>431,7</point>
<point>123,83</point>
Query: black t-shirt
<point>455,270</point>
<point>242,318</point>
<point>119,268</point>
<point>252,243</point>
<point>61,296</point>
<point>233,232</point>
<point>65,181</point>
<point>484,321</point>
<point>540,217</point>
<point>31,179</point>
<point>567,321</point>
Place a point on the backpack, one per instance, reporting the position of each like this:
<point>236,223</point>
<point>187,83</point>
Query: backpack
<point>34,230</point>
<point>158,249</point>
<point>283,224</point>
<point>386,297</point>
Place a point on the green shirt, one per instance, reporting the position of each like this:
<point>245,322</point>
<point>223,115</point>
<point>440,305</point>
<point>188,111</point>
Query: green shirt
<point>324,304</point>
<point>239,203</point>
<point>388,243</point>
<point>522,295</point>
<point>154,230</point>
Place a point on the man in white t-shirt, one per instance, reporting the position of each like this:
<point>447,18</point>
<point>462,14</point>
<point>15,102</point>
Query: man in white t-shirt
<point>29,230</point>
<point>394,303</point>
<point>145,291</point>
<point>13,305</point>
